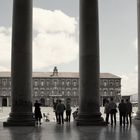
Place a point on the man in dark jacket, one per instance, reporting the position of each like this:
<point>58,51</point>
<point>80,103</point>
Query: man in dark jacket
<point>122,111</point>
<point>60,110</point>
<point>128,112</point>
<point>113,110</point>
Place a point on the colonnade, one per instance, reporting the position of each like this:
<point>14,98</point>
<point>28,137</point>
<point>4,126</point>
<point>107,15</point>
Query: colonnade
<point>21,65</point>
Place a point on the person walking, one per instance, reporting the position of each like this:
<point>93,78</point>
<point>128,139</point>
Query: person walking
<point>122,112</point>
<point>128,111</point>
<point>54,109</point>
<point>60,110</point>
<point>37,112</point>
<point>107,111</point>
<point>113,111</point>
<point>68,111</point>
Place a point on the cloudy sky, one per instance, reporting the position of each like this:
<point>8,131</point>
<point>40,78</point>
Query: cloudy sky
<point>55,37</point>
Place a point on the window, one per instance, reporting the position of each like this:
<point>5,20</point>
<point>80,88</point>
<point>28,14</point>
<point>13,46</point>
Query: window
<point>117,82</point>
<point>111,93</point>
<point>10,82</point>
<point>105,93</point>
<point>55,83</point>
<point>68,83</point>
<point>4,82</point>
<point>111,83</point>
<point>42,92</point>
<point>10,92</point>
<point>35,83</point>
<point>52,92</point>
<point>68,93</point>
<point>36,93</point>
<point>42,83</point>
<point>74,83</point>
<point>63,93</point>
<point>47,83</point>
<point>63,82</point>
<point>105,83</point>
<point>74,93</point>
<point>47,92</point>
<point>4,92</point>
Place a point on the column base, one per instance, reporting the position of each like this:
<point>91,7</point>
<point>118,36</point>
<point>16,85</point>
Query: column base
<point>137,117</point>
<point>20,119</point>
<point>85,119</point>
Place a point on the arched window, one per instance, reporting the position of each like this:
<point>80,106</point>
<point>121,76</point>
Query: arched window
<point>105,93</point>
<point>42,83</point>
<point>35,83</point>
<point>105,83</point>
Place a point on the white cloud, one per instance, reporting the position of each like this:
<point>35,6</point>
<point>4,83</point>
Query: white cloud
<point>54,42</point>
<point>135,44</point>
<point>136,68</point>
<point>54,49</point>
<point>5,48</point>
<point>53,21</point>
<point>129,84</point>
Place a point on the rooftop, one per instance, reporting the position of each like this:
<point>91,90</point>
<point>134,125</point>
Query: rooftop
<point>61,74</point>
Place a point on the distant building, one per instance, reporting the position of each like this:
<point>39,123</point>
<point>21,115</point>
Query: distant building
<point>125,97</point>
<point>134,98</point>
<point>49,86</point>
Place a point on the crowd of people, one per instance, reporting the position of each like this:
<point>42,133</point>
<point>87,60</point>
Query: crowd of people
<point>58,108</point>
<point>124,108</point>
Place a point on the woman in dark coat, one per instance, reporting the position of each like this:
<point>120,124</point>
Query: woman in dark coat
<point>37,112</point>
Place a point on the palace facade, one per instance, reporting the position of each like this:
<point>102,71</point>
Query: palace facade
<point>49,86</point>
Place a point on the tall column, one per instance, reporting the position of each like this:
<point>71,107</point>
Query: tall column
<point>138,26</point>
<point>89,109</point>
<point>21,66</point>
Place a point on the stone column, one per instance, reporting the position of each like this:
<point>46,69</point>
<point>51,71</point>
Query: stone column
<point>21,67</point>
<point>89,109</point>
<point>138,26</point>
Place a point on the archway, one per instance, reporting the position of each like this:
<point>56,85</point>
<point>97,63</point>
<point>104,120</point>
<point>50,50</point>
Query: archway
<point>42,101</point>
<point>4,102</point>
<point>104,101</point>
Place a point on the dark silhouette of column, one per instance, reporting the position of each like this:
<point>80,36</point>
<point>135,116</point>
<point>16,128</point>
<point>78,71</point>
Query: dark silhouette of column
<point>21,67</point>
<point>89,109</point>
<point>138,26</point>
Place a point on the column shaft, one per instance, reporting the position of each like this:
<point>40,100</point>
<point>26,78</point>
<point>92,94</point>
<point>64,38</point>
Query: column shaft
<point>138,26</point>
<point>89,110</point>
<point>21,65</point>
